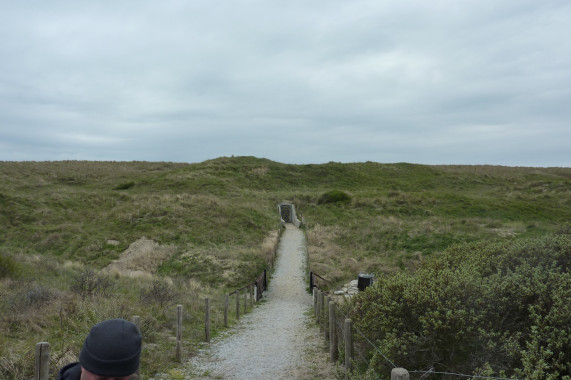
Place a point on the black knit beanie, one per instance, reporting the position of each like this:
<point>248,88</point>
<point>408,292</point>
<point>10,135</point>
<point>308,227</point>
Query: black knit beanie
<point>112,348</point>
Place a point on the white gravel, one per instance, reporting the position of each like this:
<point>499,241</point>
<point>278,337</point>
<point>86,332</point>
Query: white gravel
<point>277,340</point>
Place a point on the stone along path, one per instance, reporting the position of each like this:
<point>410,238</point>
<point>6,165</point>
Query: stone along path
<point>278,340</point>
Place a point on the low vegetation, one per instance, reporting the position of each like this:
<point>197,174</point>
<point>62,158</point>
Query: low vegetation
<point>490,309</point>
<point>334,196</point>
<point>69,227</point>
<point>85,241</point>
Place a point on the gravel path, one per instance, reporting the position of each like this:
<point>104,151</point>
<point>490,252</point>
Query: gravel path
<point>278,339</point>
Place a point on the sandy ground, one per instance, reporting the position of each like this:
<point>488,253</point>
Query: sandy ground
<point>141,259</point>
<point>278,340</point>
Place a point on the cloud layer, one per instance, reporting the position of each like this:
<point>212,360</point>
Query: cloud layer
<point>468,82</point>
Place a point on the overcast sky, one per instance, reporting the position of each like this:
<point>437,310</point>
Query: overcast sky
<point>433,82</point>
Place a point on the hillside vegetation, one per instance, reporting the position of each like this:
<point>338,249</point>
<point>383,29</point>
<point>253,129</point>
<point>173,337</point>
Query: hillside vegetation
<point>489,309</point>
<point>208,228</point>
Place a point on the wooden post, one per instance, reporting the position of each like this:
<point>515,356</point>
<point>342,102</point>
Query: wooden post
<point>265,280</point>
<point>178,332</point>
<point>321,310</point>
<point>42,370</point>
<point>137,322</point>
<point>226,304</point>
<point>237,305</point>
<point>333,345</point>
<point>316,305</point>
<point>207,319</point>
<point>315,301</point>
<point>325,319</point>
<point>245,300</point>
<point>319,305</point>
<point>348,337</point>
<point>251,289</point>
<point>399,374</point>
<point>310,280</point>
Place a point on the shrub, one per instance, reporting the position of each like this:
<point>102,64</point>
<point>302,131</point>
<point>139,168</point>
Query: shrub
<point>23,297</point>
<point>476,308</point>
<point>38,295</point>
<point>334,196</point>
<point>89,283</point>
<point>160,293</point>
<point>8,267</point>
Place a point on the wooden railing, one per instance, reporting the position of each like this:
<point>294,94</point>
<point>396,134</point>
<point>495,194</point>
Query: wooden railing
<point>42,355</point>
<point>315,280</point>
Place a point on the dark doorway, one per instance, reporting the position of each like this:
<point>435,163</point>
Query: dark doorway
<point>286,213</point>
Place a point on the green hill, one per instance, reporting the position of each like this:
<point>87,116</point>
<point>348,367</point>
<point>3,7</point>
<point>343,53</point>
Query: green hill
<point>211,222</point>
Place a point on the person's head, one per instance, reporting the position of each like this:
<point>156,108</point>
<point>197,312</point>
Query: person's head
<point>111,351</point>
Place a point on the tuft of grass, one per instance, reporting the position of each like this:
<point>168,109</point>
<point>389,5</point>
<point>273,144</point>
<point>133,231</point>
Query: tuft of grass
<point>125,186</point>
<point>334,196</point>
<point>8,267</point>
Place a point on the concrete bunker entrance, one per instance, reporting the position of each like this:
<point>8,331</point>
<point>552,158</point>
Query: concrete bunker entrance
<point>287,213</point>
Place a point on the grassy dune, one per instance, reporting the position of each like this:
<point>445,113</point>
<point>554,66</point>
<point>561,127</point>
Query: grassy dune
<point>400,213</point>
<point>63,223</point>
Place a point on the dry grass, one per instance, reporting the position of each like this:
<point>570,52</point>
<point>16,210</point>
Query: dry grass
<point>212,227</point>
<point>32,312</point>
<point>325,254</point>
<point>270,246</point>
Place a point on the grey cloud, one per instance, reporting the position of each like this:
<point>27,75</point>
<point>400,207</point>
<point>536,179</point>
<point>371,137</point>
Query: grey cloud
<point>465,82</point>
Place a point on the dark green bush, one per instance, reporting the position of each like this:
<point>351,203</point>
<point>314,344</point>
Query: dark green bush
<point>334,196</point>
<point>125,186</point>
<point>477,309</point>
<point>8,267</point>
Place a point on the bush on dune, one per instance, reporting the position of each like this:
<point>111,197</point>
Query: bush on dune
<point>334,196</point>
<point>477,309</point>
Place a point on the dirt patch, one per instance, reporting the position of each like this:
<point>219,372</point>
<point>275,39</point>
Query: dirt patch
<point>142,258</point>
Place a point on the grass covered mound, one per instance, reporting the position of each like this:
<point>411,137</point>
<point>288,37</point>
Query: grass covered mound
<point>501,308</point>
<point>84,241</point>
